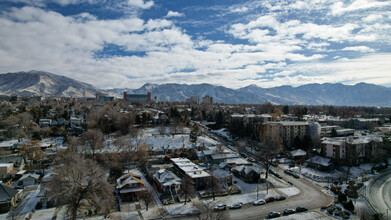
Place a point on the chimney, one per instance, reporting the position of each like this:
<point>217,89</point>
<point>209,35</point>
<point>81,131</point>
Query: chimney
<point>125,96</point>
<point>149,97</point>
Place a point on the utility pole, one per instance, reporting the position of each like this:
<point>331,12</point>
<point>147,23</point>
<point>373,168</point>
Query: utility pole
<point>257,188</point>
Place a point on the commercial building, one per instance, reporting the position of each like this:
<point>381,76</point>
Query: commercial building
<point>283,133</point>
<point>189,170</point>
<point>207,100</point>
<point>137,98</point>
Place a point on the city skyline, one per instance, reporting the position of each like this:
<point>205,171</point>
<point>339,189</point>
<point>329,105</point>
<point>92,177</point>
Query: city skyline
<point>125,44</point>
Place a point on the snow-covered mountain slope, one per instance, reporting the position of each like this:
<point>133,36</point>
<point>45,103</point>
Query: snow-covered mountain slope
<point>43,84</point>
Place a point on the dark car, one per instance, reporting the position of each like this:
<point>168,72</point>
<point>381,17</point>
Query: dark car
<point>269,199</point>
<point>301,209</point>
<point>274,214</point>
<point>289,211</point>
<point>279,198</point>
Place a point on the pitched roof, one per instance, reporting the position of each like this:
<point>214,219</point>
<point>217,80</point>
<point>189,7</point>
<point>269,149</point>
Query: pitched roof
<point>128,178</point>
<point>6,193</point>
<point>167,177</point>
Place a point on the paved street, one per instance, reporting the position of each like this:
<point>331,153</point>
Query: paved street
<point>310,196</point>
<point>379,193</point>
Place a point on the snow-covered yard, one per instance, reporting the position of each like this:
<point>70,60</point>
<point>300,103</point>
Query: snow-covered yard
<point>291,191</point>
<point>247,187</point>
<point>182,209</point>
<point>154,139</point>
<point>245,197</point>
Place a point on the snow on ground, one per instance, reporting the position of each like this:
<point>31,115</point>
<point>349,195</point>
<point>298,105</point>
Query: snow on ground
<point>124,215</point>
<point>291,191</point>
<point>152,137</point>
<point>181,209</point>
<point>244,197</point>
<point>305,216</point>
<point>278,183</point>
<point>247,187</point>
<point>48,214</point>
<point>44,214</point>
<point>223,132</point>
<point>316,175</point>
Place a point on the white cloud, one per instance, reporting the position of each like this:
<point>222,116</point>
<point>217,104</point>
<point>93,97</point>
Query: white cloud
<point>372,18</point>
<point>239,10</point>
<point>338,8</point>
<point>363,49</point>
<point>141,3</point>
<point>174,14</point>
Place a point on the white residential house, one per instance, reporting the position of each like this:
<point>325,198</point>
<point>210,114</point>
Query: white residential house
<point>167,182</point>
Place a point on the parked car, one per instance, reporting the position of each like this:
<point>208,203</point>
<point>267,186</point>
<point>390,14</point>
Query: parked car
<point>288,172</point>
<point>269,199</point>
<point>274,214</point>
<point>236,206</point>
<point>290,183</point>
<point>279,198</point>
<point>259,202</point>
<point>220,207</point>
<point>275,174</point>
<point>289,211</point>
<point>301,209</point>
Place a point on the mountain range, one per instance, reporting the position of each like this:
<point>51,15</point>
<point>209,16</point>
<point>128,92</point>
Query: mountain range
<point>39,83</point>
<point>47,84</point>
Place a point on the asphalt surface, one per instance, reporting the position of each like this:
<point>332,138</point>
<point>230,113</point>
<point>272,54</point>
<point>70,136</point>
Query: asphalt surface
<point>311,195</point>
<point>379,193</point>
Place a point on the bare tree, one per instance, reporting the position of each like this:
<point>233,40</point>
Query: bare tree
<point>142,155</point>
<point>220,148</point>
<point>146,197</point>
<point>266,156</point>
<point>126,150</point>
<point>93,140</point>
<point>76,181</point>
<point>213,185</point>
<point>74,143</point>
<point>187,187</point>
<point>206,211</point>
<point>32,151</point>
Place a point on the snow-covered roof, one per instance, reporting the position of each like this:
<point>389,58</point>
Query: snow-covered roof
<point>167,178</point>
<point>319,160</point>
<point>12,143</point>
<point>6,164</point>
<point>238,161</point>
<point>189,168</point>
<point>298,152</point>
<point>248,169</point>
<point>29,176</point>
<point>220,174</point>
<point>224,156</point>
<point>129,178</point>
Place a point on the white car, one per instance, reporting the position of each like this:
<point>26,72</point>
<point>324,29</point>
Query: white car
<point>259,202</point>
<point>236,206</point>
<point>220,207</point>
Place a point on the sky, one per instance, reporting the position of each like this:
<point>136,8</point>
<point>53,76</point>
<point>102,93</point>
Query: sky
<point>233,43</point>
